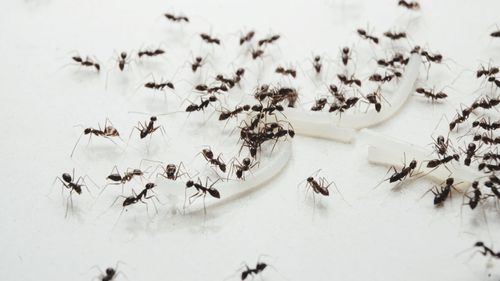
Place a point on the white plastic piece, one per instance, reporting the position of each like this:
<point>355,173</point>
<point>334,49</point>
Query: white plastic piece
<point>231,190</point>
<point>342,128</point>
<point>388,151</point>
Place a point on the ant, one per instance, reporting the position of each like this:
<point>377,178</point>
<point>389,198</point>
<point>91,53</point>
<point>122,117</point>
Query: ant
<point>108,132</point>
<point>209,39</point>
<point>159,86</point>
<point>436,162</point>
<point>333,89</point>
<point>415,6</point>
<point>436,58</point>
<point>485,103</point>
<point>257,53</point>
<point>486,125</point>
<point>386,78</point>
<point>397,58</point>
<point>68,182</point>
<point>247,37</point>
<point>204,104</point>
<point>461,117</point>
<point>487,250</point>
<point>122,61</point>
<point>87,62</point>
<point>317,64</point>
<point>350,102</point>
<point>375,99</point>
<point>395,35</point>
<point>319,104</point>
<point>491,185</point>
<point>198,63</point>
<point>476,195</point>
<point>404,173</point>
<point>117,178</point>
<point>269,40</point>
<point>319,186</point>
<point>283,71</point>
<point>431,95</point>
<point>349,81</point>
<point>148,128</point>
<point>491,71</point>
<point>202,190</point>
<point>227,114</point>
<point>133,199</point>
<point>471,152</point>
<point>209,156</point>
<point>441,145</point>
<point>345,54</point>
<point>176,18</point>
<point>486,139</point>
<point>441,195</point>
<point>248,271</point>
<point>363,34</point>
<point>290,94</point>
<point>245,165</point>
<point>172,171</point>
<point>150,53</point>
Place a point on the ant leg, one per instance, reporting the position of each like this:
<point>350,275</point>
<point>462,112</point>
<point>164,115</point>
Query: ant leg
<point>74,147</point>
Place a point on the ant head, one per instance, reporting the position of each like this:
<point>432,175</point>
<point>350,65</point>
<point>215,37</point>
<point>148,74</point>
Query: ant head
<point>189,183</point>
<point>67,177</point>
<point>246,161</point>
<point>240,71</point>
<point>310,179</point>
<point>153,118</point>
<point>449,181</point>
<point>222,167</point>
<point>479,244</point>
<point>137,172</point>
<point>219,77</point>
<point>170,85</point>
<point>246,107</point>
<point>261,266</point>
<point>440,139</point>
<point>413,164</point>
<point>110,271</point>
<point>456,157</point>
<point>471,146</point>
<point>123,55</point>
<point>317,58</point>
<point>279,107</point>
<point>150,185</point>
<point>475,184</point>
<point>481,166</point>
<point>420,90</point>
<point>212,98</point>
<point>345,50</point>
<point>361,31</point>
<point>291,133</point>
<point>87,131</point>
<point>198,59</point>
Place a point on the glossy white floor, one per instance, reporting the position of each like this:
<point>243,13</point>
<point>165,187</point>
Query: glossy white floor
<point>375,234</point>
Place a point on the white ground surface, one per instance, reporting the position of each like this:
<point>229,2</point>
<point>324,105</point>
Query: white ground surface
<point>375,234</point>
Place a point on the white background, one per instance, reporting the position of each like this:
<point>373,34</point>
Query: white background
<point>376,234</point>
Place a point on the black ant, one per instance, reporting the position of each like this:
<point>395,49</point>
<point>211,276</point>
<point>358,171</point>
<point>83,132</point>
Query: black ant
<point>404,173</point>
<point>441,145</point>
<point>133,199</point>
<point>129,174</point>
<point>317,64</point>
<point>108,132</point>
<point>176,18</point>
<point>253,271</point>
<point>228,114</point>
<point>431,94</point>
<point>491,71</point>
<point>460,117</point>
<point>198,62</point>
<point>268,40</point>
<point>247,37</point>
<point>486,125</point>
<point>245,165</point>
<point>350,102</point>
<point>204,104</point>
<point>409,5</point>
<point>257,53</point>
<point>495,34</point>
<point>491,185</point>
<point>349,81</point>
<point>150,53</point>
<point>283,71</point>
<point>159,86</point>
<point>87,62</point>
<point>363,34</point>
<point>441,195</point>
<point>395,35</point>
<point>386,78</point>
<point>148,128</point>
<point>436,58</point>
<point>109,274</point>
<point>476,196</point>
<point>485,103</point>
<point>68,182</point>
<point>209,156</point>
<point>172,172</point>
<point>397,58</point>
<point>375,98</point>
<point>209,39</point>
<point>345,54</point>
<point>436,162</point>
<point>319,186</point>
<point>334,90</point>
<point>319,104</point>
<point>490,167</point>
<point>202,190</point>
<point>471,152</point>
<point>486,250</point>
<point>491,156</point>
<point>122,60</point>
<point>486,139</point>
